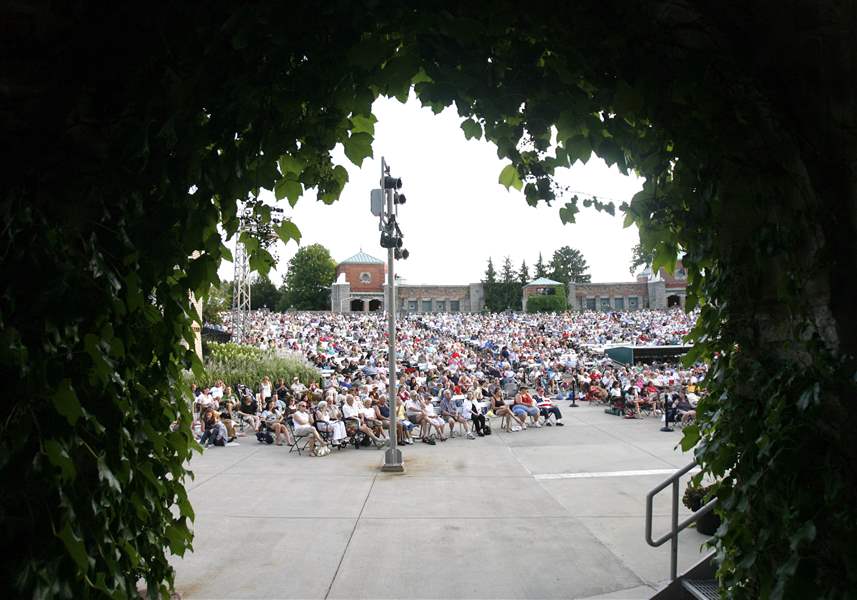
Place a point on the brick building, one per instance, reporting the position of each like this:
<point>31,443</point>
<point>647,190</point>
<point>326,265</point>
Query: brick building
<point>361,286</point>
<point>661,290</point>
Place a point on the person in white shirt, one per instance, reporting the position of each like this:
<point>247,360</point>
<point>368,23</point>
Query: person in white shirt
<point>326,420</point>
<point>303,423</point>
<point>352,412</point>
<point>266,388</point>
<point>217,391</point>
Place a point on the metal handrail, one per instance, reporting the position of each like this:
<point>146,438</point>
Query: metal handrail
<point>675,526</point>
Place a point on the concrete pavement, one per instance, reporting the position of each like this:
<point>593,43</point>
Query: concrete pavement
<point>556,512</point>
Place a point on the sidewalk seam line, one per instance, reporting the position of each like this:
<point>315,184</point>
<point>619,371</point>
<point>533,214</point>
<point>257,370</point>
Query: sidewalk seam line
<point>351,535</point>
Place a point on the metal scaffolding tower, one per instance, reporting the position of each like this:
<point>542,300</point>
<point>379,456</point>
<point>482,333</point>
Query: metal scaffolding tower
<point>264,231</point>
<point>241,282</point>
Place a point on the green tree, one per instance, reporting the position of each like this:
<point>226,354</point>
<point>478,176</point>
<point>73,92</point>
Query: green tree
<point>263,293</point>
<point>510,286</point>
<point>282,299</point>
<point>639,259</point>
<point>492,289</point>
<point>568,265</point>
<point>308,280</point>
<point>129,150</point>
<point>219,300</point>
<point>541,270</point>
<point>524,274</point>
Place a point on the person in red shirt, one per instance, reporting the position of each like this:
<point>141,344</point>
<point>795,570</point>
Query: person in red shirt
<point>525,405</point>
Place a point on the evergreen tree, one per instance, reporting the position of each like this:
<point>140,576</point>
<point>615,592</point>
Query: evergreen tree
<point>524,273</point>
<point>568,265</point>
<point>541,270</point>
<point>511,288</point>
<point>490,273</point>
<point>492,289</point>
<point>507,274</point>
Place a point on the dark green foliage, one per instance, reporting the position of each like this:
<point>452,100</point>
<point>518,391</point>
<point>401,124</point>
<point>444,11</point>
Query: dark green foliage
<point>567,265</point>
<point>540,268</point>
<point>134,131</point>
<point>311,272</point>
<point>264,294</point>
<point>639,259</point>
<point>524,274</point>
<point>553,303</point>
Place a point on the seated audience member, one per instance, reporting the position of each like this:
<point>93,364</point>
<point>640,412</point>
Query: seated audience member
<point>228,419</point>
<point>415,413</point>
<point>498,406</point>
<point>370,418</point>
<point>281,390</point>
<point>547,408</point>
<point>303,427</point>
<point>229,398</point>
<point>404,426</point>
<point>525,405</point>
<point>475,411</point>
<point>432,418</point>
<point>215,432</point>
<point>326,420</point>
<point>450,413</point>
<point>275,423</point>
<point>248,409</point>
<point>350,412</point>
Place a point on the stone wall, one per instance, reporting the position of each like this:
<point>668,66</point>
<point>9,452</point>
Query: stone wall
<point>657,294</point>
<point>602,293</point>
<point>339,294</point>
<point>435,294</point>
<point>477,297</point>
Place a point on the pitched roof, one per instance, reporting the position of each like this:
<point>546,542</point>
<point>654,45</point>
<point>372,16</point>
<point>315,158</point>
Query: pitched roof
<point>361,258</point>
<point>543,281</point>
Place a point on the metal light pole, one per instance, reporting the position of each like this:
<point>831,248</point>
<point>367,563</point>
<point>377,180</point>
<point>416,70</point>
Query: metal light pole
<point>392,456</point>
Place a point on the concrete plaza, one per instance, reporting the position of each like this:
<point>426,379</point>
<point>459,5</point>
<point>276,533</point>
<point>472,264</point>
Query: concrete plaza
<point>554,512</point>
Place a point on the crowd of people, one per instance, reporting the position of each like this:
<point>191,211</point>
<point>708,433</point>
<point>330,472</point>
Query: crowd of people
<point>454,371</point>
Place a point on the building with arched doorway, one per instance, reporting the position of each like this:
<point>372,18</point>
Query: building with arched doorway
<point>650,290</point>
<point>361,285</point>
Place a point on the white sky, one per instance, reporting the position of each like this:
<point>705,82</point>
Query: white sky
<point>457,214</point>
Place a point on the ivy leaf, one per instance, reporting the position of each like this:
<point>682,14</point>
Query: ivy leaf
<point>261,261</point>
<point>176,538</point>
<point>105,474</point>
<point>471,129</point>
<point>74,546</point>
<point>290,188</point>
<point>509,177</point>
<point>369,53</point>
<point>340,175</point>
<point>58,457</point>
<point>290,164</point>
<point>567,213</point>
<point>690,437</point>
<point>363,124</point>
<point>226,253</point>
<point>66,402</point>
<point>358,147</point>
<point>805,533</point>
<point>578,148</point>
<point>288,231</point>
